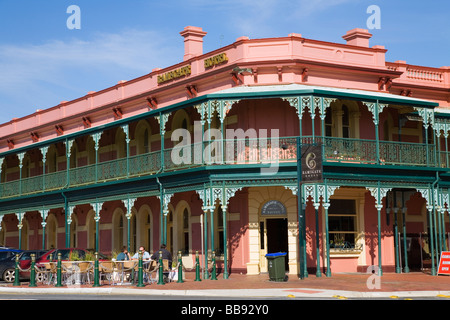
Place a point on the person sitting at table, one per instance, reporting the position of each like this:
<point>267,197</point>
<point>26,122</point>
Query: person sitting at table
<point>124,255</point>
<point>165,254</point>
<point>145,254</point>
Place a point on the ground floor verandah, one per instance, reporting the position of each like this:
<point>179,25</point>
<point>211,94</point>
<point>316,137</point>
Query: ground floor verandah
<point>241,222</point>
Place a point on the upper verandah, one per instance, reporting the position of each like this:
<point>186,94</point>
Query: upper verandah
<point>291,59</point>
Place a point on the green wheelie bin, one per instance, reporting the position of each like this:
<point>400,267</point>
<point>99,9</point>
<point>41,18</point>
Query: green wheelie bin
<point>276,266</point>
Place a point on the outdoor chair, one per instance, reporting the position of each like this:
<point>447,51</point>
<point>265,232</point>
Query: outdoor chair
<point>106,270</point>
<point>150,271</point>
<point>85,270</point>
<point>50,272</point>
<point>66,272</point>
<point>126,269</point>
<point>166,271</point>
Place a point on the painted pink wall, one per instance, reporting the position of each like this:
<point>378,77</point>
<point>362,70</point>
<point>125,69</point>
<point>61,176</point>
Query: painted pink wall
<point>238,241</point>
<point>371,235</point>
<point>275,61</point>
<point>238,234</point>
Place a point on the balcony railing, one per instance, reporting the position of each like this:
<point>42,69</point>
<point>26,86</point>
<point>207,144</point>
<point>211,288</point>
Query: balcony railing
<point>231,152</point>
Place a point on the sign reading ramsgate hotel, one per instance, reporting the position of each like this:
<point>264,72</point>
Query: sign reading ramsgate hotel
<point>186,70</point>
<point>174,74</point>
<point>213,61</point>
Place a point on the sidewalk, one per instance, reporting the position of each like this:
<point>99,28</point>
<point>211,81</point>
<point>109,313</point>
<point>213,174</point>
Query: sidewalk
<point>391,285</point>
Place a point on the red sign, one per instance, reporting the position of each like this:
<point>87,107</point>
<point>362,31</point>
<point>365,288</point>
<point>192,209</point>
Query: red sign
<point>444,263</point>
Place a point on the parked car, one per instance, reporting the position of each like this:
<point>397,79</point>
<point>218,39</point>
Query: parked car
<point>8,265</point>
<point>7,268</point>
<point>6,252</point>
<point>25,261</point>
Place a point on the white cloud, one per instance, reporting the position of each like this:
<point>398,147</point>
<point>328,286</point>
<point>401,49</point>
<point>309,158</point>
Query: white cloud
<point>40,76</point>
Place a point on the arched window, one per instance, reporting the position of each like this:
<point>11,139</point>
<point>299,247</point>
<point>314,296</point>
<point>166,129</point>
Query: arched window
<point>328,123</point>
<point>51,230</point>
<point>142,137</point>
<point>185,238</point>
<point>133,246</point>
<point>90,149</point>
<point>220,229</point>
<point>345,122</point>
<point>120,228</point>
<point>24,244</point>
<point>146,148</point>
<point>180,120</point>
<point>119,236</point>
<point>341,121</point>
<point>2,234</point>
<point>121,144</point>
<point>74,156</point>
<point>169,244</point>
<point>51,159</point>
<point>73,232</point>
<point>92,232</point>
<point>26,166</point>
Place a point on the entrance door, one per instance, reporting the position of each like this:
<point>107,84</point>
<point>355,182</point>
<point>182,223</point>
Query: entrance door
<point>277,237</point>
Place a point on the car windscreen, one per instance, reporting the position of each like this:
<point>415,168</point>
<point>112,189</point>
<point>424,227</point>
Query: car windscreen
<point>27,255</point>
<point>6,254</point>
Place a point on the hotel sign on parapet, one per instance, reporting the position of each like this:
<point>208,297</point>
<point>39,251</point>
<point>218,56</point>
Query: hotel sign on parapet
<point>175,74</point>
<point>186,70</point>
<point>215,60</point>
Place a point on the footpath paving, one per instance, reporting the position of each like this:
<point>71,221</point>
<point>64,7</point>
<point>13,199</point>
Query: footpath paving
<point>341,286</point>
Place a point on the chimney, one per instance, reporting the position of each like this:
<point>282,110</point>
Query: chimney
<point>193,41</point>
<point>358,37</point>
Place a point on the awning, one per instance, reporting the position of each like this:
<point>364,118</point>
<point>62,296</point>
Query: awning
<point>300,90</point>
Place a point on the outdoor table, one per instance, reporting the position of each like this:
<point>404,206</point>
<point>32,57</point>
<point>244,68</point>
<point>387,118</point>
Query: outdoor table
<point>125,267</point>
<point>50,271</point>
<point>75,269</point>
<point>130,267</point>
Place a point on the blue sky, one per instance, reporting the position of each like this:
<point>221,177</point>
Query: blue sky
<point>42,62</point>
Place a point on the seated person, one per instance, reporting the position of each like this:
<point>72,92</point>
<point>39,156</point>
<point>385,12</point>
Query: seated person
<point>145,254</point>
<point>165,255</point>
<point>124,255</point>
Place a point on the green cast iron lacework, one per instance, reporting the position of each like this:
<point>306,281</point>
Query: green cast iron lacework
<point>232,152</point>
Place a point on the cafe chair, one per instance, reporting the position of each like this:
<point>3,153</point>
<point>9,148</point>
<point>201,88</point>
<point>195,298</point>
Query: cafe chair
<point>150,272</point>
<point>66,272</point>
<point>85,270</point>
<point>166,270</point>
<point>106,270</point>
<point>50,271</point>
<point>126,269</point>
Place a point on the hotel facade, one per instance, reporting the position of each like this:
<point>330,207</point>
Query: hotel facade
<point>204,156</point>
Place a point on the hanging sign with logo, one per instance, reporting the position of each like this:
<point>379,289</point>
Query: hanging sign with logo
<point>311,161</point>
<point>444,263</point>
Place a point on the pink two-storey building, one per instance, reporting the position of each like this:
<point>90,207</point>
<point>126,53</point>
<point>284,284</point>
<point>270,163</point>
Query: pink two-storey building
<point>108,169</point>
